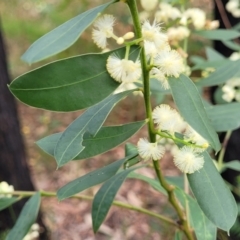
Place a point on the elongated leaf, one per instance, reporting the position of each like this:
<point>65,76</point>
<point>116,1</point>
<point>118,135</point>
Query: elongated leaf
<point>63,36</point>
<point>225,116</point>
<point>210,64</point>
<point>26,219</point>
<point>232,45</point>
<point>237,26</point>
<point>69,144</point>
<point>131,149</point>
<point>215,60</point>
<point>203,227</point>
<point>196,59</point>
<point>91,179</point>
<point>69,84</point>
<point>222,74</point>
<point>218,34</point>
<point>48,144</point>
<point>6,202</point>
<point>178,235</point>
<point>152,182</point>
<point>157,88</point>
<point>218,94</point>
<point>177,181</point>
<point>105,196</point>
<point>235,165</point>
<point>213,55</point>
<point>189,103</point>
<point>106,139</point>
<point>213,196</point>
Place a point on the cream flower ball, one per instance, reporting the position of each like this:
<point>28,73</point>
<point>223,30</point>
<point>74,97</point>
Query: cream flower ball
<point>169,62</point>
<point>188,160</point>
<point>123,70</point>
<point>103,29</point>
<point>149,5</point>
<point>168,119</point>
<point>148,150</point>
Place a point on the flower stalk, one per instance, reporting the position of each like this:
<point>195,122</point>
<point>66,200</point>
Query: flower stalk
<point>178,140</point>
<point>23,194</point>
<point>183,223</point>
<point>223,150</point>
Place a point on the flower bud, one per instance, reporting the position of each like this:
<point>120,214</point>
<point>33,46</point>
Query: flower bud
<point>128,35</point>
<point>120,40</point>
<point>149,5</point>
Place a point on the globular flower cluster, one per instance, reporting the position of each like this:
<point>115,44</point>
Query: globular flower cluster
<point>168,119</point>
<point>176,34</point>
<point>163,63</point>
<point>196,16</point>
<point>159,75</point>
<point>166,62</point>
<point>5,188</point>
<point>33,232</point>
<point>166,12</point>
<point>233,6</point>
<point>191,135</point>
<point>188,158</point>
<point>149,5</point>
<point>150,151</point>
<point>121,70</point>
<point>124,70</point>
<point>169,62</point>
<point>234,56</point>
<point>231,90</point>
<point>152,33</point>
<point>103,29</point>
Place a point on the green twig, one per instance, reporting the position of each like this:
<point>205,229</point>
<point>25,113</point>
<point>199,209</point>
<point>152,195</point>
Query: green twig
<point>178,140</point>
<point>183,224</point>
<point>223,150</point>
<point>186,190</point>
<point>145,69</point>
<point>90,198</point>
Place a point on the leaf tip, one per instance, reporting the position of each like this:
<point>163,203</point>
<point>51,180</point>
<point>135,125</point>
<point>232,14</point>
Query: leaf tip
<point>24,58</point>
<point>95,228</point>
<point>59,197</point>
